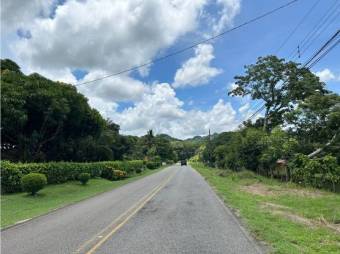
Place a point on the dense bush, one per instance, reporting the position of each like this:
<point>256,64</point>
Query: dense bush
<point>119,174</point>
<point>59,172</point>
<point>10,177</point>
<point>114,173</point>
<point>33,182</point>
<point>321,173</point>
<point>153,164</point>
<point>84,178</point>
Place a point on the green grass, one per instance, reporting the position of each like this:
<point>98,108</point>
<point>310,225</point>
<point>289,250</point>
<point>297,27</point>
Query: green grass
<point>20,206</point>
<point>282,234</point>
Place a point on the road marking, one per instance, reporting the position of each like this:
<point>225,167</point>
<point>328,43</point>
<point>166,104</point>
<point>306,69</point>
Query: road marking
<point>130,213</point>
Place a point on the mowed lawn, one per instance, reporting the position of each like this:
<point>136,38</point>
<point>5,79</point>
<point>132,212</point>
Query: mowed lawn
<point>289,218</point>
<point>20,206</point>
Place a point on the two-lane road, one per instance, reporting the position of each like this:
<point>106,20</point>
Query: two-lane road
<point>172,211</point>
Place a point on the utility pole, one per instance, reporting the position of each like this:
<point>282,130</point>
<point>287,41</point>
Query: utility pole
<point>209,149</point>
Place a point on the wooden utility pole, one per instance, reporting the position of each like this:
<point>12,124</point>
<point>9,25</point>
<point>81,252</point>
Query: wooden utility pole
<point>209,149</point>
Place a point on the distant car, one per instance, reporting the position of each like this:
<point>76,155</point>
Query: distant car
<point>183,162</point>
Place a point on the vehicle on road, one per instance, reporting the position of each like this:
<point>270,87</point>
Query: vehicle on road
<point>183,162</point>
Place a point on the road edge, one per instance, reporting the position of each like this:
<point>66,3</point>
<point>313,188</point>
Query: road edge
<point>24,221</point>
<point>261,246</point>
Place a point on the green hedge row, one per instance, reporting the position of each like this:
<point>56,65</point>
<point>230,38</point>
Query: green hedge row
<point>60,172</point>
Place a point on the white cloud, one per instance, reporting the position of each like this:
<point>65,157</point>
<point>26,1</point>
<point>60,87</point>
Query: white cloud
<point>116,88</point>
<point>162,111</point>
<point>197,70</point>
<point>106,35</point>
<point>231,86</point>
<point>244,108</point>
<point>327,75</point>
<point>15,14</point>
<point>230,8</point>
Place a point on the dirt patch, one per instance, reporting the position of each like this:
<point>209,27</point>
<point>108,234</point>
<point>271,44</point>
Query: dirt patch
<point>286,212</point>
<point>266,190</point>
<point>295,218</point>
<point>274,206</point>
<point>258,189</point>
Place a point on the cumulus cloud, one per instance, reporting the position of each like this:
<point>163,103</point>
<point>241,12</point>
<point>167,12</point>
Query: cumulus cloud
<point>327,75</point>
<point>230,8</point>
<point>15,14</point>
<point>116,88</point>
<point>162,111</point>
<point>197,70</point>
<point>244,108</point>
<point>106,35</point>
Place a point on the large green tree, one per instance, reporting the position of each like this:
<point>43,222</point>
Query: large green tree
<point>42,119</point>
<point>316,123</point>
<point>279,84</point>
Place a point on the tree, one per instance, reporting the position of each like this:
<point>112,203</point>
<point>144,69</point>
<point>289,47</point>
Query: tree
<point>280,84</point>
<point>41,119</point>
<point>316,123</point>
<point>278,146</point>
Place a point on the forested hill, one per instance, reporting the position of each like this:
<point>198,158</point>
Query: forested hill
<point>43,120</point>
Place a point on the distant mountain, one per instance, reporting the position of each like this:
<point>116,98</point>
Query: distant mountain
<point>167,137</point>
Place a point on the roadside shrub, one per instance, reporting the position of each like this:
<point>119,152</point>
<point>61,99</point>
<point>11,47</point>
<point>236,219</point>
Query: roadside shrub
<point>153,164</point>
<point>60,172</point>
<point>113,173</point>
<point>139,170</point>
<point>10,177</point>
<point>33,182</point>
<point>84,178</point>
<point>320,173</point>
<point>119,175</point>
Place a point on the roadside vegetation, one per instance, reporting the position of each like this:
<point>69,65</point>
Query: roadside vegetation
<point>21,206</point>
<point>289,218</point>
<point>297,139</point>
<point>280,172</point>
<point>50,135</point>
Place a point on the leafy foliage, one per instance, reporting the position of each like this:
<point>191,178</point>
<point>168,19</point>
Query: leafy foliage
<point>33,182</point>
<point>279,84</point>
<point>60,172</point>
<point>43,120</point>
<point>84,178</point>
<point>300,127</point>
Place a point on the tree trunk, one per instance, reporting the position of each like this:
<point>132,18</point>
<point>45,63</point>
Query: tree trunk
<point>265,123</point>
<point>319,150</point>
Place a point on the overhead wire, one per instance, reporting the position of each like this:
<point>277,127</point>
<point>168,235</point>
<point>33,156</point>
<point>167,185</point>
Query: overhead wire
<point>297,26</point>
<point>192,45</point>
<point>316,30</point>
<point>313,60</point>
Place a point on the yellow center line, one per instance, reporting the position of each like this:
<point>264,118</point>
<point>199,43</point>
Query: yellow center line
<point>131,211</point>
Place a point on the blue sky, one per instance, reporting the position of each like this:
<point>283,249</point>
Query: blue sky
<point>49,37</point>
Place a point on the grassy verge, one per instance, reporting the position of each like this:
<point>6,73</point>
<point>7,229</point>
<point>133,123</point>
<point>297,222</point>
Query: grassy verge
<point>291,219</point>
<point>20,206</point>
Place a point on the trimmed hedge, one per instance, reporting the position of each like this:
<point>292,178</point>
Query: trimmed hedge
<point>153,164</point>
<point>33,182</point>
<point>59,172</point>
<point>84,178</point>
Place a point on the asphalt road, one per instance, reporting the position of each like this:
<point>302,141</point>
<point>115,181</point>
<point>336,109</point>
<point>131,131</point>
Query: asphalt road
<point>172,211</point>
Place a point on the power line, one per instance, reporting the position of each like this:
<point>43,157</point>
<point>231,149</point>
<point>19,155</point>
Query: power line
<point>297,26</point>
<point>316,29</point>
<point>193,45</point>
<point>322,48</point>
<point>321,31</point>
<point>325,53</point>
<point>317,56</point>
